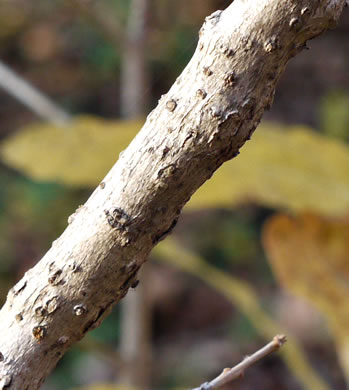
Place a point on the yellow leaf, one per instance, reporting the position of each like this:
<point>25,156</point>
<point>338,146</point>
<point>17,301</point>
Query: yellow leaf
<point>309,255</point>
<point>104,386</point>
<point>79,154</point>
<point>292,168</point>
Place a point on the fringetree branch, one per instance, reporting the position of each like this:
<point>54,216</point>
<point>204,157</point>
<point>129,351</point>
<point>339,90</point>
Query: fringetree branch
<point>209,113</point>
<point>230,374</point>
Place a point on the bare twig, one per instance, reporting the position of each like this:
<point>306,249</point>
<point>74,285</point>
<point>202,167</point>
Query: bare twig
<point>242,295</point>
<point>230,374</point>
<point>31,97</point>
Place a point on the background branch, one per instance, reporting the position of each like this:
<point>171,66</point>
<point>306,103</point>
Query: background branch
<point>31,97</point>
<point>230,374</point>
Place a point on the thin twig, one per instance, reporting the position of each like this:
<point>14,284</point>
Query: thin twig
<point>31,97</point>
<point>230,374</point>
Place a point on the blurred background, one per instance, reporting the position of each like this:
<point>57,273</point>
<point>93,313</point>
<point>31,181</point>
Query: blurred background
<point>261,249</point>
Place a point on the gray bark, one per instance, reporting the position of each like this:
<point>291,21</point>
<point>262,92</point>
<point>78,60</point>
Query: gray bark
<point>205,118</point>
<point>135,324</point>
<point>134,76</point>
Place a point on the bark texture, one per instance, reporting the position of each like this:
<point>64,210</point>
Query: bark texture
<point>135,321</point>
<point>208,114</point>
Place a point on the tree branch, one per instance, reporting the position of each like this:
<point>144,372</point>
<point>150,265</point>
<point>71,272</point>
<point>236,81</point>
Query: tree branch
<point>230,374</point>
<point>208,114</point>
<point>31,97</point>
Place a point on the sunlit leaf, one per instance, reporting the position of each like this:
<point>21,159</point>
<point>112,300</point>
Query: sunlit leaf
<point>309,255</point>
<point>292,168</point>
<point>243,296</point>
<point>79,154</point>
<point>105,386</point>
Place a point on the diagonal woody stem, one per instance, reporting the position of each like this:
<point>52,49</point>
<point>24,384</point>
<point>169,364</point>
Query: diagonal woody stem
<point>211,110</point>
<point>230,374</point>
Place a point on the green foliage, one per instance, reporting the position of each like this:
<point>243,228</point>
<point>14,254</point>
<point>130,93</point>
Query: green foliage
<point>109,330</point>
<point>226,238</point>
<point>35,214</point>
<point>64,374</point>
<point>334,115</point>
<point>99,56</point>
